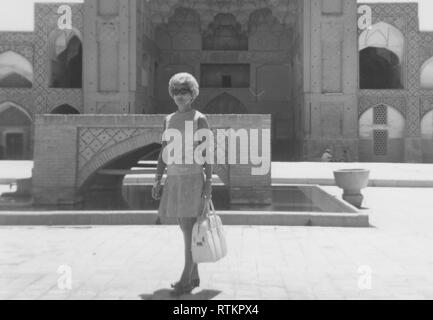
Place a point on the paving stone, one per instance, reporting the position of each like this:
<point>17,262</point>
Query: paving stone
<point>263,262</point>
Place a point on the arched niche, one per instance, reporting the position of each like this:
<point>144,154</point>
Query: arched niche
<point>182,31</point>
<point>427,126</point>
<point>183,18</point>
<point>65,109</point>
<point>426,75</point>
<point>381,52</point>
<point>381,134</point>
<point>15,71</point>
<point>66,59</point>
<point>224,33</point>
<point>383,35</point>
<point>382,116</point>
<point>15,132</point>
<point>225,104</point>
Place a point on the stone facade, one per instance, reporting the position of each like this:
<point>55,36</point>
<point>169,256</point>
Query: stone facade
<point>295,60</point>
<point>411,101</point>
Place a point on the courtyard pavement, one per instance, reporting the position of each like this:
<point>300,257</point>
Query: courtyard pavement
<point>381,174</point>
<point>391,260</point>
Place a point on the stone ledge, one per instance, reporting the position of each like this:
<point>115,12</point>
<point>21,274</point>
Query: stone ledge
<point>233,218</point>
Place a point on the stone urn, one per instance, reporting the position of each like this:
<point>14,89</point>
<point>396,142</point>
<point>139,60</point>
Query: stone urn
<point>352,181</point>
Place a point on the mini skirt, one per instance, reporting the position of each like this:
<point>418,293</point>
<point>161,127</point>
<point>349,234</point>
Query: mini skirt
<point>182,192</point>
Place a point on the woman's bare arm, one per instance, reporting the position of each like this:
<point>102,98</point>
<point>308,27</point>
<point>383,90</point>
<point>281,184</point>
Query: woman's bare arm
<point>208,168</point>
<point>160,169</point>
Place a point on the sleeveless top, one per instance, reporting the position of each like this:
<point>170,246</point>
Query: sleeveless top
<point>179,121</point>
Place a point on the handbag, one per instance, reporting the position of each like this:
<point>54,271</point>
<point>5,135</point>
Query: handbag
<point>208,237</point>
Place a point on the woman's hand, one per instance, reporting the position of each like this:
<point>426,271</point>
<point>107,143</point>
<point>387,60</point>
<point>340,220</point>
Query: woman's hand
<point>156,190</point>
<point>207,190</point>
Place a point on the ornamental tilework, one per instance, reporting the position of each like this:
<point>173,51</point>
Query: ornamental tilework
<point>57,97</point>
<point>426,46</point>
<point>413,118</point>
<point>48,98</point>
<point>24,49</point>
<point>16,37</point>
<point>412,102</point>
<point>425,53</point>
<point>21,43</point>
<point>34,46</point>
<point>95,140</point>
<point>367,102</point>
<point>403,16</point>
<point>284,10</point>
<point>20,96</point>
<point>426,105</point>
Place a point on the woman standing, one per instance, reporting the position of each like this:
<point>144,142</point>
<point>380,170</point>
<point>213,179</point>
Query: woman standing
<point>187,186</point>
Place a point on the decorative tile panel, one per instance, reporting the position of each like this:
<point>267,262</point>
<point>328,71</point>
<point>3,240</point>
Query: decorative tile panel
<point>367,102</point>
<point>426,105</point>
<point>34,46</point>
<point>95,140</point>
<point>403,16</point>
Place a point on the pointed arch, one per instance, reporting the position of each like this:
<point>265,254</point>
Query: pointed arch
<point>15,132</point>
<point>427,126</point>
<point>379,68</point>
<point>426,77</point>
<point>224,33</point>
<point>66,59</point>
<point>15,71</point>
<point>381,133</point>
<point>381,52</point>
<point>263,18</point>
<point>182,17</point>
<point>225,104</point>
<point>4,106</point>
<point>65,109</point>
<point>383,35</point>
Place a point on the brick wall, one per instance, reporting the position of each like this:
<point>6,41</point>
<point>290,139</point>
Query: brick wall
<point>57,150</point>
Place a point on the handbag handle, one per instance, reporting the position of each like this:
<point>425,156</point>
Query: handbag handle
<point>211,207</point>
<point>208,204</point>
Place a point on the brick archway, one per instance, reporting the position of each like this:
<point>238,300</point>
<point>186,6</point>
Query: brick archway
<point>100,159</point>
<point>137,140</point>
<point>71,149</point>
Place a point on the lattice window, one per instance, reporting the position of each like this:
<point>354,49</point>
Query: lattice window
<point>380,142</point>
<point>380,114</point>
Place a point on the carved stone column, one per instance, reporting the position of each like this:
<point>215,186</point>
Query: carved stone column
<point>110,59</point>
<point>330,77</point>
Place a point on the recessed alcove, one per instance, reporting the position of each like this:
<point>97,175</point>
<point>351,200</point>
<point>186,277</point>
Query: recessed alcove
<point>225,76</point>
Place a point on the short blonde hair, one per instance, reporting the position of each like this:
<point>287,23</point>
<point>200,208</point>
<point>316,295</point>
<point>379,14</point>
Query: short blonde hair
<point>184,80</point>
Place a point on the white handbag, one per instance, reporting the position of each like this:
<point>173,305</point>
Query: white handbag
<point>208,238</point>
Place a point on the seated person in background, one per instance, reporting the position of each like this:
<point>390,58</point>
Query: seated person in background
<point>327,156</point>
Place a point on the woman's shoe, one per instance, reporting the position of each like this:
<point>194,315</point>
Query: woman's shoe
<point>195,283</point>
<point>181,289</point>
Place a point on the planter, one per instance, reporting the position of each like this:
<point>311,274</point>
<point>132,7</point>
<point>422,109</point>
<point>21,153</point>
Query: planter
<point>352,181</point>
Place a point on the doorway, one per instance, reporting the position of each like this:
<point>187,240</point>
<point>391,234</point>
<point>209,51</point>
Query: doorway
<point>14,146</point>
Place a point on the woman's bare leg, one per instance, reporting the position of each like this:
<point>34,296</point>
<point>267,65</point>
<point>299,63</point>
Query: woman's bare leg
<point>190,271</point>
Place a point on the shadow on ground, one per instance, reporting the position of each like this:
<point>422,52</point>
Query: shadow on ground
<point>164,294</point>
